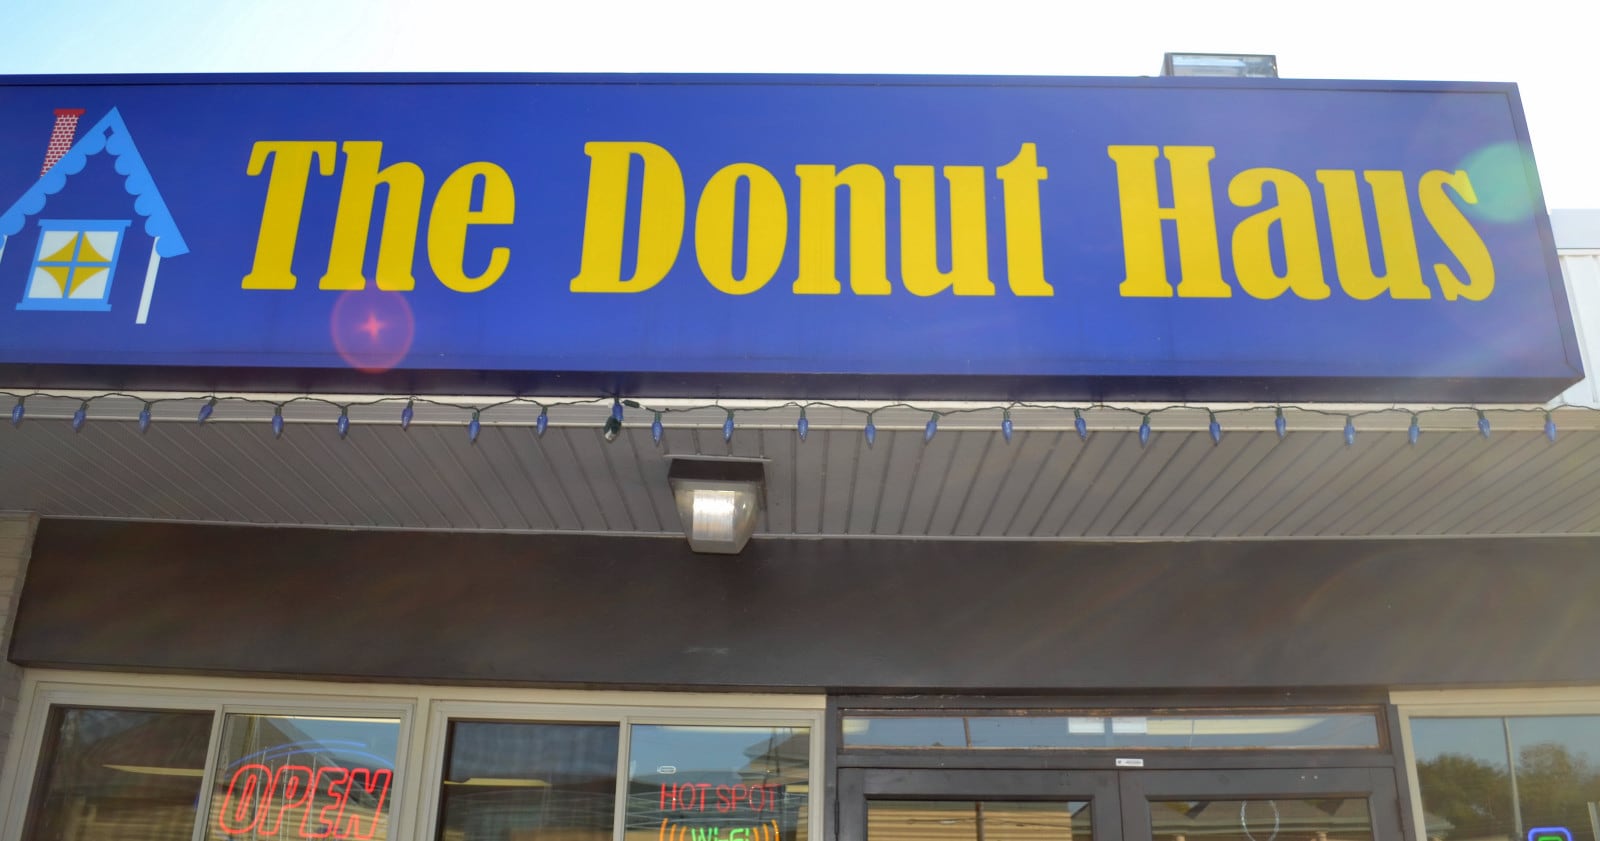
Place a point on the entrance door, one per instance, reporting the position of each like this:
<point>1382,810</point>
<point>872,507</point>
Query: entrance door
<point>1340,804</point>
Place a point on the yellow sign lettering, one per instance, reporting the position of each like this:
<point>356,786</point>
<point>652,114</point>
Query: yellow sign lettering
<point>1402,271</point>
<point>1458,236</point>
<point>453,214</point>
<point>661,217</point>
<point>1193,211</point>
<point>286,198</point>
<point>767,229</point>
<point>819,186</point>
<point>1296,220</point>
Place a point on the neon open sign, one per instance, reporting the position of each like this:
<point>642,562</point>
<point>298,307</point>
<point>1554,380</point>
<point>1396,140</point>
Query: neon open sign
<point>298,801</point>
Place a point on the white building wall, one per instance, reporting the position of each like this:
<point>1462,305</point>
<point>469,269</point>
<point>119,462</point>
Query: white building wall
<point>1578,244</point>
<point>16,545</point>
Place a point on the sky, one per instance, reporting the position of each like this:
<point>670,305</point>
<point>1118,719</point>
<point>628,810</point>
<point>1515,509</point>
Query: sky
<point>1548,47</point>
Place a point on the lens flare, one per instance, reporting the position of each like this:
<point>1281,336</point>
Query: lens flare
<point>1502,178</point>
<point>372,330</point>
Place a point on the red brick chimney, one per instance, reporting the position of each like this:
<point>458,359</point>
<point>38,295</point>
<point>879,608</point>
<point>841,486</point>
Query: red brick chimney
<point>61,137</point>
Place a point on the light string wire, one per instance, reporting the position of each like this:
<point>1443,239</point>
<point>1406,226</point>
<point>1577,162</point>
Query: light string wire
<point>613,423</point>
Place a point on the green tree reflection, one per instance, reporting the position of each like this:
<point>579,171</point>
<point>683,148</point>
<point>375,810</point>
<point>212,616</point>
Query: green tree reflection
<point>1556,787</point>
<point>1465,799</point>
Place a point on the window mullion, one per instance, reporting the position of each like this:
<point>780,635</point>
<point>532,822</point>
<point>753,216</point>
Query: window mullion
<point>619,819</point>
<point>202,810</point>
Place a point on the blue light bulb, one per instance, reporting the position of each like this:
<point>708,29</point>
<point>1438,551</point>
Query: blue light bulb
<point>1414,431</point>
<point>1280,425</point>
<point>1080,424</point>
<point>80,416</point>
<point>802,426</point>
<point>1005,426</point>
<point>144,418</point>
<point>871,432</point>
<point>655,429</point>
<point>206,410</point>
<point>1216,430</point>
<point>407,414</point>
<point>1144,430</point>
<point>727,428</point>
<point>277,422</point>
<point>931,429</point>
<point>1483,424</point>
<point>472,428</point>
<point>1349,431</point>
<point>344,422</point>
<point>542,422</point>
<point>16,413</point>
<point>1549,427</point>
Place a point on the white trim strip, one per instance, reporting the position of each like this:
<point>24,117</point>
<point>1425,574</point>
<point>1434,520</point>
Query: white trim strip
<point>149,281</point>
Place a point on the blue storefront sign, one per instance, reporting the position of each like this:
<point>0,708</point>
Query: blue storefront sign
<point>855,236</point>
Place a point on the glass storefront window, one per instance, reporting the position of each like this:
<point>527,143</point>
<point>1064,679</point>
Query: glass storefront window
<point>175,763</point>
<point>294,777</point>
<point>119,775</point>
<point>1035,730</point>
<point>1500,777</point>
<point>529,781</point>
<point>718,783</point>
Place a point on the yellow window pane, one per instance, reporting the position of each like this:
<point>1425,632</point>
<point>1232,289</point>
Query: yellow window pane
<point>97,247</point>
<point>63,251</point>
<point>49,282</point>
<point>88,282</point>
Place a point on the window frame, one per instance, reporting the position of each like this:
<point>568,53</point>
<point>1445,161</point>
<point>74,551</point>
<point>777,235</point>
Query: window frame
<point>442,712</point>
<point>959,712</point>
<point>1478,703</point>
<point>79,226</point>
<point>424,713</point>
<point>22,763</point>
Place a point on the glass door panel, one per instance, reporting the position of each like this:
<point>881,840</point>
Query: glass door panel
<point>1310,805</point>
<point>939,805</point>
<point>979,820</point>
<point>1341,818</point>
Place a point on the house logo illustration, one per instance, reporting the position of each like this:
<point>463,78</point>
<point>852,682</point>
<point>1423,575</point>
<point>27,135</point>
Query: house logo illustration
<point>75,260</point>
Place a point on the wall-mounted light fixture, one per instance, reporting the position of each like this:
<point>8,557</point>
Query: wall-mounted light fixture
<point>1227,65</point>
<point>718,501</point>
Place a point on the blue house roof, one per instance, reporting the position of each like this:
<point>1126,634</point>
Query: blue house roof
<point>108,135</point>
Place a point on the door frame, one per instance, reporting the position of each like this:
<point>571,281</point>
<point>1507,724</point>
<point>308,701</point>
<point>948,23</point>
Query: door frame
<point>1118,799</point>
<point>1386,760</point>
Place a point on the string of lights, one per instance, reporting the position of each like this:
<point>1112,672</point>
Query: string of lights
<point>514,411</point>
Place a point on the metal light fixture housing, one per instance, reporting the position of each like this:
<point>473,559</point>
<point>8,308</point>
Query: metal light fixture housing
<point>718,501</point>
<point>1220,65</point>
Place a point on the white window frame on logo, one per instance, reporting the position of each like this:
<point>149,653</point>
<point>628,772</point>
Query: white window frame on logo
<point>76,227</point>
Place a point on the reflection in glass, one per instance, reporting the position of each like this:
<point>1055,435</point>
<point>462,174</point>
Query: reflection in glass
<point>718,783</point>
<point>1472,790</point>
<point>294,777</point>
<point>120,775</point>
<point>529,781</point>
<point>1558,772</point>
<point>952,820</point>
<point>1321,819</point>
<point>1464,778</point>
<point>1207,730</point>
